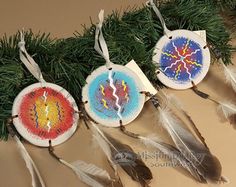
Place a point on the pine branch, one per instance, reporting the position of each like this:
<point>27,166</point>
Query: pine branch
<point>205,18</point>
<point>68,62</point>
<point>224,5</point>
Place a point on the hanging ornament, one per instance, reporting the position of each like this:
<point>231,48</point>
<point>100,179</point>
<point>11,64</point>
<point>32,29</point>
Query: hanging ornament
<point>112,92</point>
<point>46,115</point>
<point>45,111</point>
<point>112,97</point>
<point>104,104</point>
<point>183,60</point>
<point>181,56</point>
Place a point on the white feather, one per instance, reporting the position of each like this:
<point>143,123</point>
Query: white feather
<point>170,99</point>
<point>37,180</point>
<point>175,101</point>
<point>227,109</point>
<point>193,150</point>
<point>84,177</point>
<point>225,180</point>
<point>230,76</point>
<point>104,144</point>
<point>92,170</point>
<point>156,142</point>
<point>179,135</point>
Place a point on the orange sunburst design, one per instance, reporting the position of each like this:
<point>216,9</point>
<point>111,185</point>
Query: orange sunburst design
<point>46,113</point>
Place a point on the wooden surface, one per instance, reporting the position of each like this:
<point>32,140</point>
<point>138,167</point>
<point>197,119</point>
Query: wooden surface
<point>62,18</point>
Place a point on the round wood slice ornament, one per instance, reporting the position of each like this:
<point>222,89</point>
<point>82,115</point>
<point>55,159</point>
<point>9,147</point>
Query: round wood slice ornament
<point>182,57</point>
<point>45,111</point>
<point>113,94</point>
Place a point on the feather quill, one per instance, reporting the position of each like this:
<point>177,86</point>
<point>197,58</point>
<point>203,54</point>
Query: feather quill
<point>87,173</point>
<point>94,172</point>
<point>168,150</point>
<point>172,153</point>
<point>227,109</point>
<point>207,165</point>
<point>229,112</point>
<point>135,167</point>
<point>175,101</point>
<point>101,140</point>
<point>37,180</point>
<point>103,143</point>
<point>230,76</point>
<point>85,177</point>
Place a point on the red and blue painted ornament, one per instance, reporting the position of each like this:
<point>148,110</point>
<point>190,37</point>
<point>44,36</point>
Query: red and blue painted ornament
<point>112,93</point>
<point>181,56</point>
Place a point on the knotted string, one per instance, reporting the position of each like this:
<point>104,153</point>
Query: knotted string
<point>28,61</point>
<point>100,44</point>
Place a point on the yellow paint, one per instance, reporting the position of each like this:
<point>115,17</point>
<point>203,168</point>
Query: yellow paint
<point>102,89</point>
<point>177,72</point>
<point>104,103</point>
<point>167,54</point>
<point>186,46</point>
<point>195,63</point>
<point>43,117</point>
<point>124,85</point>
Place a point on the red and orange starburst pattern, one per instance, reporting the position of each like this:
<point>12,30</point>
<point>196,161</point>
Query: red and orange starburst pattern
<point>46,113</point>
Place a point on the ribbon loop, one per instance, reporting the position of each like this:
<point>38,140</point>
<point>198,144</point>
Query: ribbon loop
<point>28,61</point>
<point>100,44</point>
<point>150,3</point>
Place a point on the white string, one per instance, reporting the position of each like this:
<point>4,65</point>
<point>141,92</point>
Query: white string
<point>28,61</point>
<point>158,13</point>
<point>100,44</point>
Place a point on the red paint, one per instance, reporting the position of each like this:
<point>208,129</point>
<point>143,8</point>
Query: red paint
<point>28,116</point>
<point>120,92</point>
